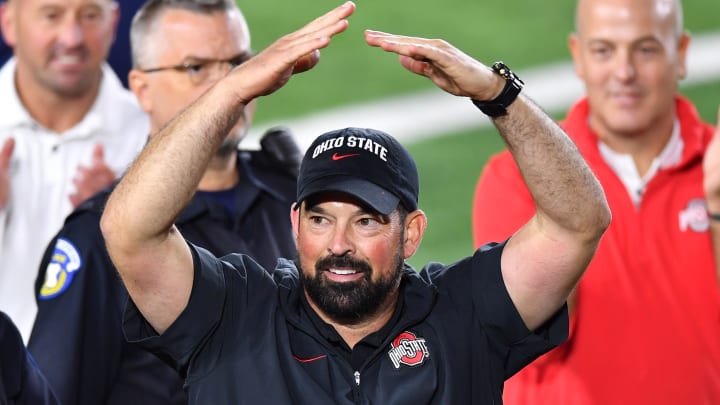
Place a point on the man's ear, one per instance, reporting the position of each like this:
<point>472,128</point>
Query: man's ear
<point>415,225</point>
<point>115,16</point>
<point>138,84</point>
<point>576,53</point>
<point>682,49</point>
<point>7,23</point>
<point>295,220</point>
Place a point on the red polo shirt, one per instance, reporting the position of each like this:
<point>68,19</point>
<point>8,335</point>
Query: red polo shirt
<point>646,326</point>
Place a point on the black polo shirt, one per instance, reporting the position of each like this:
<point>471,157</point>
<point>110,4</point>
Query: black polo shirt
<point>245,337</point>
<point>363,349</point>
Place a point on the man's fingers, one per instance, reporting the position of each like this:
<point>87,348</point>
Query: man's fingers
<point>389,41</point>
<point>98,156</point>
<point>307,62</point>
<point>416,66</point>
<point>6,153</point>
<point>375,38</point>
<point>327,20</point>
<point>415,54</point>
<point>293,53</point>
<point>420,49</point>
<point>317,34</point>
<point>298,46</point>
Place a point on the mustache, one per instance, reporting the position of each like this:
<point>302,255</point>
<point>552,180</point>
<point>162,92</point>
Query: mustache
<point>344,261</point>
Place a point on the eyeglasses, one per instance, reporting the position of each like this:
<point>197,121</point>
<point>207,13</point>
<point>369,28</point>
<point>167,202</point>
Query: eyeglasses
<point>202,71</point>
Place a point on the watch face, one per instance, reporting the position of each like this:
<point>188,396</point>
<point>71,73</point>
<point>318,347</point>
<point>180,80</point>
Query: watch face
<point>502,69</point>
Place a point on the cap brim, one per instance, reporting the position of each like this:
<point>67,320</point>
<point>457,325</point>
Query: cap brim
<point>368,193</point>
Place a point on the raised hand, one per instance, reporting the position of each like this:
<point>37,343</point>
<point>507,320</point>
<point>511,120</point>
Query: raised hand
<point>293,53</point>
<point>5,155</point>
<point>91,179</point>
<point>446,66</point>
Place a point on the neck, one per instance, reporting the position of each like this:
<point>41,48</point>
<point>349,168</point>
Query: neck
<point>221,173</point>
<point>353,333</point>
<point>644,146</point>
<point>53,111</point>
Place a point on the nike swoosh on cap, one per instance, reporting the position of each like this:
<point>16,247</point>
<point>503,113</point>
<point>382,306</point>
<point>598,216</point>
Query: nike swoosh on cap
<point>335,156</point>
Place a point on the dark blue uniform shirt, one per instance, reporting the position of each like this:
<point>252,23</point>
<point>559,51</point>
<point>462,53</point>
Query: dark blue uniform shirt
<point>246,337</point>
<point>77,338</point>
<point>21,382</point>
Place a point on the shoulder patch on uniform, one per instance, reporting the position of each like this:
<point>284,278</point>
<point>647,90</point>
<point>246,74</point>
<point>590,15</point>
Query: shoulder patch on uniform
<point>64,263</point>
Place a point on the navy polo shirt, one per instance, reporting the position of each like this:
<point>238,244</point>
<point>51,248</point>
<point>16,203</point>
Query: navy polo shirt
<point>21,382</point>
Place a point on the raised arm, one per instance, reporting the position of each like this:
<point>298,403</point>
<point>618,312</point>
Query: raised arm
<point>151,256</point>
<point>711,183</point>
<point>543,261</point>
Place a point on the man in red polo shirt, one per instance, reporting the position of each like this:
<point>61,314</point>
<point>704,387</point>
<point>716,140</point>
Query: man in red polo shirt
<point>645,326</point>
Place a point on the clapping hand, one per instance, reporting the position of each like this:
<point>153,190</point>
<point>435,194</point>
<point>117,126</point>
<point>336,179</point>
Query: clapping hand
<point>89,180</point>
<point>5,155</point>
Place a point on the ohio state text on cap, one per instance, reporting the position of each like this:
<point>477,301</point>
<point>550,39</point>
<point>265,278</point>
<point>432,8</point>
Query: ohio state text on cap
<point>365,163</point>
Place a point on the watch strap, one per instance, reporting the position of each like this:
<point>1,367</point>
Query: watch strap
<point>498,106</point>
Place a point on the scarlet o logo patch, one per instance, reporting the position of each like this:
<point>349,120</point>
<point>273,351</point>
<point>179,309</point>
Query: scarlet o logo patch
<point>408,349</point>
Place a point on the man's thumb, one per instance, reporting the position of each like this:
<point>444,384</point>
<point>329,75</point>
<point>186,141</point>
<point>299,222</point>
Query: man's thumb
<point>6,153</point>
<point>98,156</point>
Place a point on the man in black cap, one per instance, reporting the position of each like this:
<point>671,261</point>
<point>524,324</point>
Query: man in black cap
<point>348,321</point>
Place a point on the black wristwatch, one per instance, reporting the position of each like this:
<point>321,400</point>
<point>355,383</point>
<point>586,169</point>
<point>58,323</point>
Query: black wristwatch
<point>498,106</point>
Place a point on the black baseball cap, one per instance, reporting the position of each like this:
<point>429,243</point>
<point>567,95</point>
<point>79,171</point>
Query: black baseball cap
<point>365,163</point>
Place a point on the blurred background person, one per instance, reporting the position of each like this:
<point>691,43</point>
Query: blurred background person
<point>180,49</point>
<point>646,315</point>
<point>67,128</point>
<point>119,58</point>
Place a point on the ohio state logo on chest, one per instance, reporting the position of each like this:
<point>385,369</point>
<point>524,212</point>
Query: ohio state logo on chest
<point>408,349</point>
